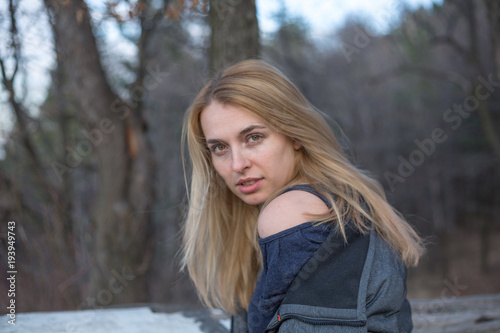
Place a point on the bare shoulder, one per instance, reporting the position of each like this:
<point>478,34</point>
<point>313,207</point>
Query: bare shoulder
<point>289,210</point>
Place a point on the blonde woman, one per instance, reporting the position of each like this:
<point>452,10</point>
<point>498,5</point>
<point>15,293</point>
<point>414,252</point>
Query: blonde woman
<point>282,230</point>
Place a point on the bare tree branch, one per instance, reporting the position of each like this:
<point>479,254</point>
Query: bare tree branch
<point>438,39</point>
<point>450,77</point>
<point>20,113</point>
<point>452,42</point>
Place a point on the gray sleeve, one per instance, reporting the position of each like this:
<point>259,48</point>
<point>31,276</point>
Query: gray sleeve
<point>387,308</point>
<point>239,323</point>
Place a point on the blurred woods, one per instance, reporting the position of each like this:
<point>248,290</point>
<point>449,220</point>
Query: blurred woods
<point>93,176</point>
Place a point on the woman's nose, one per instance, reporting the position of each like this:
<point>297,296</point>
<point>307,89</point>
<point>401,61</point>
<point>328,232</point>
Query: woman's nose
<point>240,161</point>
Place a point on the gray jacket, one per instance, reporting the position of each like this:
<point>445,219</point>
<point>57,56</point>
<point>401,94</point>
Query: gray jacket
<point>355,287</point>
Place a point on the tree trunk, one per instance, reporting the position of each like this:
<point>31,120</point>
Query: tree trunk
<point>235,32</point>
<point>493,7</point>
<point>115,135</point>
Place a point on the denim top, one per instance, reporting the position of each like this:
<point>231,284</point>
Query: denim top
<point>284,254</point>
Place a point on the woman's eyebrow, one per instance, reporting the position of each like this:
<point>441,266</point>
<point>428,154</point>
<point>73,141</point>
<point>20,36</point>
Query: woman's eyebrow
<point>242,133</point>
<point>250,129</point>
<point>213,141</point>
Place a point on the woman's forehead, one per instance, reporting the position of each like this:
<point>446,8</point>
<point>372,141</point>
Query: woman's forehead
<point>219,118</point>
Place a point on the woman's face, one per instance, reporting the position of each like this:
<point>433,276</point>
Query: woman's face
<point>253,159</point>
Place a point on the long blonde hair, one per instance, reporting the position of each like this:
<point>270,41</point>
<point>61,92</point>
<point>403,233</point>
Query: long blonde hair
<point>220,248</point>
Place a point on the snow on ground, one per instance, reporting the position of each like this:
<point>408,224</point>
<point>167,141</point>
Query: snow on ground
<point>129,320</point>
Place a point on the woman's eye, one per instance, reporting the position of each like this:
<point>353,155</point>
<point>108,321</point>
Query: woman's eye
<point>217,148</point>
<point>254,138</point>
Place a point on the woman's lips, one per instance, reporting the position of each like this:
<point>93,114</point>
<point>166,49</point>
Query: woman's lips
<point>249,186</point>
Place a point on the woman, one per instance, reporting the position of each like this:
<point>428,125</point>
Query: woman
<point>282,230</point>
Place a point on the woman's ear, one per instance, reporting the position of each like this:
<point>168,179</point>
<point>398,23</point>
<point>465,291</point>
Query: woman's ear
<point>296,144</point>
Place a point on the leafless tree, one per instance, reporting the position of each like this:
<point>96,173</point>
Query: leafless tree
<point>122,230</point>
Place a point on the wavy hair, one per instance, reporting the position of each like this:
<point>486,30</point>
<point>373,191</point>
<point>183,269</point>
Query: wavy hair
<point>220,249</point>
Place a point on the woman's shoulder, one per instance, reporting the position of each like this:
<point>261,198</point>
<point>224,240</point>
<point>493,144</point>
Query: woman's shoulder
<point>288,210</point>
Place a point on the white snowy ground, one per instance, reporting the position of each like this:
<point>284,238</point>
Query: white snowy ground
<point>129,320</point>
<point>467,314</point>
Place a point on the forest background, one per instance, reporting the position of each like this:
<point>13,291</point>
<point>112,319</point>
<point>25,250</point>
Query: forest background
<point>92,176</point>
